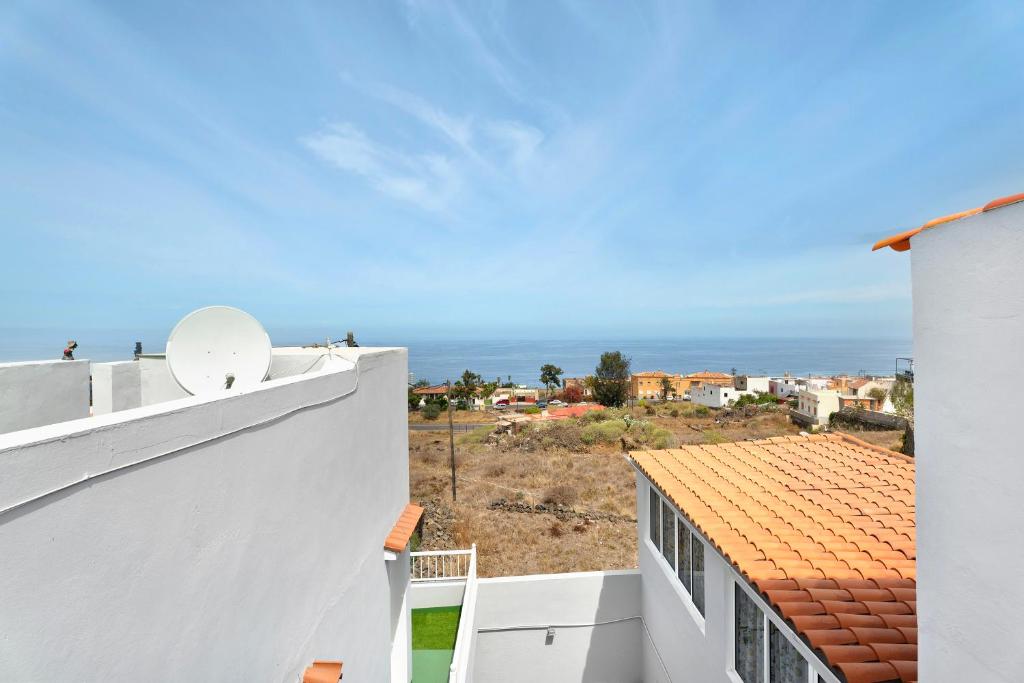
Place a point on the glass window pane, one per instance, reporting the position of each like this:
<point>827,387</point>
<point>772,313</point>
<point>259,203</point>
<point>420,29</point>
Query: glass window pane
<point>785,665</point>
<point>655,521</point>
<point>749,639</point>
<point>668,532</point>
<point>684,555</point>
<point>697,551</point>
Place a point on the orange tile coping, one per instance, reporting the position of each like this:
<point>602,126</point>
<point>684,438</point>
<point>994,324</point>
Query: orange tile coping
<point>402,531</point>
<point>901,241</point>
<point>823,526</point>
<point>322,671</point>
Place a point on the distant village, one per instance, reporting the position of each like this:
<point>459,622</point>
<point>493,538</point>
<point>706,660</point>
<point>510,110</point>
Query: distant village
<point>812,400</point>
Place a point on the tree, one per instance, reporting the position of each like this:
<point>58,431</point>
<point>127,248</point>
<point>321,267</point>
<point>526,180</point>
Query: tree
<point>550,375</point>
<point>611,379</point>
<point>666,387</point>
<point>466,386</point>
<point>879,394</point>
<point>903,397</point>
<point>572,394</point>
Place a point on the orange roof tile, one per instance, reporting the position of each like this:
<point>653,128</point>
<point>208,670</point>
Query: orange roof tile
<point>708,375</point>
<point>402,531</point>
<point>823,526</point>
<point>901,241</point>
<point>322,671</point>
<point>431,391</point>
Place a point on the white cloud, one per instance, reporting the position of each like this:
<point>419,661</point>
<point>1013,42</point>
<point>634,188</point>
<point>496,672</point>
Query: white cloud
<point>429,181</point>
<point>519,139</point>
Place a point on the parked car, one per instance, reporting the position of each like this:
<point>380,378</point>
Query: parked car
<point>542,404</point>
<point>555,402</point>
<point>501,402</point>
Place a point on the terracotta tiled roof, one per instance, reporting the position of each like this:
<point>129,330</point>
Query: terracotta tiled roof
<point>901,241</point>
<point>322,672</point>
<point>708,375</point>
<point>858,383</point>
<point>431,391</point>
<point>402,531</point>
<point>823,526</point>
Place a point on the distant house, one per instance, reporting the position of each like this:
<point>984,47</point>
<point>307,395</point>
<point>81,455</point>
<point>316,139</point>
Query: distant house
<point>748,383</point>
<point>864,402</point>
<point>816,383</point>
<point>813,408</point>
<point>582,383</point>
<point>432,392</point>
<point>647,385</point>
<point>783,387</point>
<point>515,395</point>
<point>695,379</point>
<point>715,396</point>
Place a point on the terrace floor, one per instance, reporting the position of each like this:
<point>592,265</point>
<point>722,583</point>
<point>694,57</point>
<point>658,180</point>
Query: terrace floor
<point>433,642</point>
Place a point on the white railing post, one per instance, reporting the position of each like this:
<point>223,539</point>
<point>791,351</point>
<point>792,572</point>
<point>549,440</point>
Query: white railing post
<point>467,625</point>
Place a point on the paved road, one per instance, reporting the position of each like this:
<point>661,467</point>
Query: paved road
<point>442,426</point>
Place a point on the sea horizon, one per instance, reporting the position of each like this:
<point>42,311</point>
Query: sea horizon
<point>436,360</point>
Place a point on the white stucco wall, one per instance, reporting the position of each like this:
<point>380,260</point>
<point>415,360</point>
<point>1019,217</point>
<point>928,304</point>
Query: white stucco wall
<point>116,386</point>
<point>248,543</point>
<point>968,288</point>
<point>157,382</point>
<point>436,593</point>
<point>580,651</point>
<point>37,393</point>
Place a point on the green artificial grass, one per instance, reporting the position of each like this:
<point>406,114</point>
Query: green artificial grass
<point>434,628</point>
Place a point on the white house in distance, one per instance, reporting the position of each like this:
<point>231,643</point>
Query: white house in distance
<point>715,396</point>
<point>968,289</point>
<point>816,406</point>
<point>753,384</point>
<point>783,387</point>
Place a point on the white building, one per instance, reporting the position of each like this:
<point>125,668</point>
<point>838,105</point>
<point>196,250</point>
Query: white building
<point>783,387</point>
<point>232,537</point>
<point>752,384</point>
<point>715,396</point>
<point>968,289</point>
<point>815,407</point>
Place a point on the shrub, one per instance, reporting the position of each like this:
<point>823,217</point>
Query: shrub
<point>649,410</point>
<point>561,494</point>
<point>555,530</point>
<point>674,412</point>
<point>431,411</point>
<point>593,416</point>
<point>477,436</point>
<point>563,434</point>
<point>714,436</point>
<point>603,432</point>
<point>532,410</point>
<point>701,411</point>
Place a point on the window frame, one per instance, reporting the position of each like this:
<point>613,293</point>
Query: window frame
<point>671,572</point>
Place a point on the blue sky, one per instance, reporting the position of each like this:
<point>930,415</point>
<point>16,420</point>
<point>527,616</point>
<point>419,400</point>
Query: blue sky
<point>494,169</point>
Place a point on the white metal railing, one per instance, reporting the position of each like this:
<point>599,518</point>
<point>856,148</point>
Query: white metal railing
<point>442,565</point>
<point>465,637</point>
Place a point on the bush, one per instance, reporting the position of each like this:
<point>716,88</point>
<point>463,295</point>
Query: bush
<point>701,411</point>
<point>649,410</point>
<point>714,436</point>
<point>563,434</point>
<point>674,412</point>
<point>532,410</point>
<point>603,432</point>
<point>561,494</point>
<point>431,411</point>
<point>478,435</point>
<point>571,394</point>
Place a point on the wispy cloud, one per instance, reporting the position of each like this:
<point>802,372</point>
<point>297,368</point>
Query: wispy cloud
<point>428,180</point>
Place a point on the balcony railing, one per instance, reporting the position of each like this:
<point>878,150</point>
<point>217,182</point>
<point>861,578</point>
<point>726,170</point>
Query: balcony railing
<point>465,639</point>
<point>442,565</point>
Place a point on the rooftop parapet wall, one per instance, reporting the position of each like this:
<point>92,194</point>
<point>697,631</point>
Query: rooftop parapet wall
<point>36,393</point>
<point>227,538</point>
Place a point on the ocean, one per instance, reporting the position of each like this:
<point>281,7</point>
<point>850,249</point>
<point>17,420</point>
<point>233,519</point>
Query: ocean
<point>437,360</point>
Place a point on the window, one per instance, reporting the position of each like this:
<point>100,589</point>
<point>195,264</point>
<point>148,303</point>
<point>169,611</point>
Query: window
<point>668,533</point>
<point>684,557</point>
<point>785,665</point>
<point>655,521</point>
<point>748,638</point>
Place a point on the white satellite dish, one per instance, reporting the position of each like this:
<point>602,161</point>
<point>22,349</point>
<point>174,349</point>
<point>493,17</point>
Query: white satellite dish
<point>217,348</point>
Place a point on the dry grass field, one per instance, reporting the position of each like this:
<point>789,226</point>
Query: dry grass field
<point>576,470</point>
